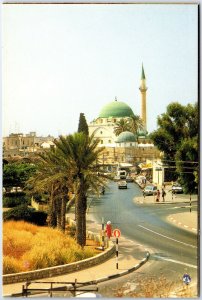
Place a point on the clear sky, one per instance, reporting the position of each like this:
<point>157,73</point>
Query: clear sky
<point>60,60</point>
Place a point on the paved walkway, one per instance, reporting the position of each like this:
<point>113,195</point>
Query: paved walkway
<point>131,254</point>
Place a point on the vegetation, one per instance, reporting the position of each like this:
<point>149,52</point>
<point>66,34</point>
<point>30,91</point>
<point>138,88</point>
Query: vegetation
<point>80,155</point>
<point>177,138</point>
<point>15,174</point>
<point>15,199</point>
<point>132,124</point>
<point>23,212</point>
<point>28,247</point>
<point>83,126</point>
<point>69,167</point>
<point>121,126</point>
<point>155,287</point>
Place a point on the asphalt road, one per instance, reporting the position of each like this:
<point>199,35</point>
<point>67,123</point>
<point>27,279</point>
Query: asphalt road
<point>173,250</point>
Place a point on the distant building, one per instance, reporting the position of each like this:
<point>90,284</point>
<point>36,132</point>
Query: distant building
<point>19,144</point>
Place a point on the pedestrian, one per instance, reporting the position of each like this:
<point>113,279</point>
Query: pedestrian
<point>108,229</point>
<point>158,196</point>
<point>163,193</point>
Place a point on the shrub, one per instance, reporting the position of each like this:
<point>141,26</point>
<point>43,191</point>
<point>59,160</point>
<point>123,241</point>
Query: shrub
<point>23,212</point>
<point>10,265</point>
<point>38,218</point>
<point>14,200</point>
<point>31,247</point>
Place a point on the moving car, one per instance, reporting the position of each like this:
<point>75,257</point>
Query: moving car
<point>150,190</point>
<point>122,184</point>
<point>177,189</point>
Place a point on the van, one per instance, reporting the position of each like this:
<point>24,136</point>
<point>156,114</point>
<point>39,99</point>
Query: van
<point>122,174</point>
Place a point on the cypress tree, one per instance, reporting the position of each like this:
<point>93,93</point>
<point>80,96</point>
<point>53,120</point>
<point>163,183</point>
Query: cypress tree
<point>83,126</point>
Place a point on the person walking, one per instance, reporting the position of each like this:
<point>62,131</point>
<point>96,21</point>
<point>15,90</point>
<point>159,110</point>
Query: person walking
<point>158,196</point>
<point>163,193</point>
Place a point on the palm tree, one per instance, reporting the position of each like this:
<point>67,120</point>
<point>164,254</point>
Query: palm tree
<point>135,124</point>
<point>121,125</point>
<point>52,177</point>
<point>81,155</point>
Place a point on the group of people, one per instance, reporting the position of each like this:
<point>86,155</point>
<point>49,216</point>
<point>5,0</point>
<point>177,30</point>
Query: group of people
<point>159,194</point>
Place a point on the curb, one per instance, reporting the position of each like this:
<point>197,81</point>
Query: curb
<point>142,262</point>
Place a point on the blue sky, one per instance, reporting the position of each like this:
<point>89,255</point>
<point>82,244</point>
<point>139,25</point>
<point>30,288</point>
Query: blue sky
<point>60,60</point>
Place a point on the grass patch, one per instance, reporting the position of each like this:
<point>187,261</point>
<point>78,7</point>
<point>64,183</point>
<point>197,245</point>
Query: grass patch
<point>29,247</point>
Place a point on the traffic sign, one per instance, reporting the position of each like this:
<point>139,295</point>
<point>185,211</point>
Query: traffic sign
<point>117,233</point>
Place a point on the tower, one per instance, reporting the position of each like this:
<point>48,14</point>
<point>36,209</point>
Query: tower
<point>143,90</point>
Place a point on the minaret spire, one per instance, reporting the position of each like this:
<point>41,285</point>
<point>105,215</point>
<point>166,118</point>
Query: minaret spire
<point>143,89</point>
<point>143,74</point>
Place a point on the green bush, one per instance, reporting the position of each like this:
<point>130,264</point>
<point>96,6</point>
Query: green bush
<point>23,212</point>
<point>16,200</point>
<point>38,218</point>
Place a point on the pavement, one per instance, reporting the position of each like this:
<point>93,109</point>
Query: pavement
<point>131,254</point>
<point>188,219</point>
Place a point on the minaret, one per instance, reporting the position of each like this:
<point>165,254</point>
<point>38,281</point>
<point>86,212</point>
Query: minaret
<point>143,90</point>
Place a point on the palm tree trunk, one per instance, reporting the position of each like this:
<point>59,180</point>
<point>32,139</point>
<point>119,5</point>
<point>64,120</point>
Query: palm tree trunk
<point>81,206</point>
<point>52,214</point>
<point>59,213</point>
<point>63,212</point>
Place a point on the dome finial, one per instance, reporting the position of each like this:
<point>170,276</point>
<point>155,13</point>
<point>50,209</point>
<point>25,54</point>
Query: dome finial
<point>115,98</point>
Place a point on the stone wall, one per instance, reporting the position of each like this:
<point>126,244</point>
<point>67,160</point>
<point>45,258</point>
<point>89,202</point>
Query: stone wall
<point>63,269</point>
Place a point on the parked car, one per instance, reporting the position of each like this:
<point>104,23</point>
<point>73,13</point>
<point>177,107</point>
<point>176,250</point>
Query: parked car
<point>176,188</point>
<point>150,190</point>
<point>129,178</point>
<point>16,189</point>
<point>122,184</point>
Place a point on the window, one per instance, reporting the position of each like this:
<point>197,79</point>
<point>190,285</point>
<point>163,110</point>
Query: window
<point>100,132</point>
<point>109,141</point>
<point>101,142</point>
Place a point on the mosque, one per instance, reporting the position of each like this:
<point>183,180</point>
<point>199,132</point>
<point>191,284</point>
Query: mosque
<point>126,147</point>
<point>103,127</point>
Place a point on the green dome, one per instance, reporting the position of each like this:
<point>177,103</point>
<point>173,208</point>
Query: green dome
<point>125,137</point>
<point>116,109</point>
<point>142,133</point>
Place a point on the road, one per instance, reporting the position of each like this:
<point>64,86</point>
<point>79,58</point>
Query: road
<point>173,250</point>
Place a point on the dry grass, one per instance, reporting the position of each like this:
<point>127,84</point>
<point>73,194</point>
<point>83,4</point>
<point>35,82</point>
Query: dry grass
<point>153,287</point>
<point>29,247</point>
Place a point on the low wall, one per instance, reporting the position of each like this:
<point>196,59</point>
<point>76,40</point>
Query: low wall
<point>63,269</point>
<point>38,206</point>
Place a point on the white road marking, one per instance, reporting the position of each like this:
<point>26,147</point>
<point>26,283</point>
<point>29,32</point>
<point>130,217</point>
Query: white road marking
<point>166,236</point>
<point>176,261</point>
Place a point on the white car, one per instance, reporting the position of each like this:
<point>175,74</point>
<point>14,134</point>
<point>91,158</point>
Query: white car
<point>150,190</point>
<point>177,189</point>
<point>122,184</point>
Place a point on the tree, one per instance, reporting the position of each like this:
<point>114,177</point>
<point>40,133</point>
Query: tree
<point>135,124</point>
<point>16,174</point>
<point>83,126</point>
<point>81,155</point>
<point>52,177</point>
<point>121,126</point>
<point>177,137</point>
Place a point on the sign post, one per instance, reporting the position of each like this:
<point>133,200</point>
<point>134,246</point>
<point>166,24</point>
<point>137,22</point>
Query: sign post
<point>103,242</point>
<point>117,234</point>
<point>190,203</point>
